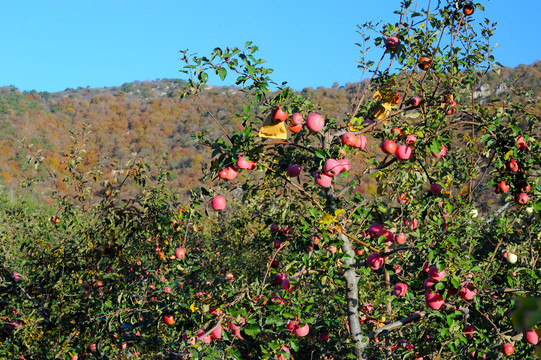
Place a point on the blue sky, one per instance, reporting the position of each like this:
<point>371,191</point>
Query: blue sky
<point>52,45</point>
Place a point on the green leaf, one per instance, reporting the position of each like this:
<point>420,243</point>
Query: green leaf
<point>222,73</point>
<point>251,330</point>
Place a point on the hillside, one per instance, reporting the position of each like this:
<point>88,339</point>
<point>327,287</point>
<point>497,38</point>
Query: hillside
<point>147,121</point>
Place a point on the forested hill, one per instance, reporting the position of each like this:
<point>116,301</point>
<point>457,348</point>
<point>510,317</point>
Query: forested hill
<point>146,120</point>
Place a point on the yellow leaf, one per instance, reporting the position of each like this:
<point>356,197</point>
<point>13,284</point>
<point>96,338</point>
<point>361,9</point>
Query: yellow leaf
<point>193,308</point>
<point>508,154</point>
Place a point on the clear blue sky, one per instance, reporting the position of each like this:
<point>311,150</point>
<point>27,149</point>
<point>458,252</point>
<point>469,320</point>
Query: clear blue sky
<point>55,44</point>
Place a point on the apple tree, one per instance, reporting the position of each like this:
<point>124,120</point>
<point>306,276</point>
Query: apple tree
<point>429,265</point>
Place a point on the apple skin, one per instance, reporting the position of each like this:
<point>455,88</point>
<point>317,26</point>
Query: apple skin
<point>315,122</point>
<point>279,114</point>
<point>275,264</point>
<point>388,146</point>
<point>349,139</point>
<point>375,230</point>
<point>531,337</point>
<point>435,189</point>
<point>228,173</point>
<point>279,278</point>
<point>400,289</point>
<point>442,152</point>
<point>402,198</point>
<point>236,327</point>
<point>286,285</point>
<point>424,63</point>
<point>392,43</point>
<point>403,152</point>
<point>465,292</point>
<point>346,165</point>
<point>374,261</point>
<point>218,203</point>
<point>293,170</point>
<point>295,128</point>
<point>284,350</point>
<point>242,163</point>
<point>508,349</point>
<point>206,339</point>
<point>521,198</point>
<point>217,332</point>
<point>521,143</point>
<point>55,219</point>
<point>323,179</point>
<point>411,140</point>
<point>434,274</point>
<point>297,119</point>
<point>434,300</point>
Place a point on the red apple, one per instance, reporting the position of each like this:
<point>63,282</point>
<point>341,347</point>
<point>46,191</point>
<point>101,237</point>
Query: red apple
<point>242,163</point>
<point>279,278</point>
<point>275,264</point>
<point>279,114</point>
<point>375,230</point>
<point>302,331</point>
<point>396,131</point>
<point>468,331</point>
<point>360,143</point>
<point>315,122</point>
<point>169,319</point>
<point>400,238</point>
<point>228,173</point>
<point>434,300</point>
<point>297,119</point>
<point>434,274</point>
<point>521,143</point>
<point>180,253</point>
<point>55,219</point>
<point>396,99</point>
<point>524,187</point>
<point>468,291</point>
<point>392,43</point>
<point>424,63</point>
<point>332,167</point>
<point>508,349</point>
<point>236,324</point>
<point>229,277</point>
<point>531,337</point>
<point>388,146</point>
<point>521,198</point>
<point>217,332</point>
<point>374,261</point>
<point>323,180</point>
<point>286,285</point>
<point>295,128</point>
<point>502,187</point>
<point>349,139</point>
<point>468,9</point>
<point>401,198</point>
<point>346,165</point>
<point>293,170</point>
<point>411,139</point>
<point>206,339</point>
<point>435,189</point>
<point>513,166</point>
<point>442,152</point>
<point>291,325</point>
<point>400,289</point>
<point>403,152</point>
<point>415,101</point>
<point>218,203</point>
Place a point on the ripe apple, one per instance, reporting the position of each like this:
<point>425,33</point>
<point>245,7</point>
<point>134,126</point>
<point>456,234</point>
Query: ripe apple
<point>206,339</point>
<point>323,179</point>
<point>218,203</point>
<point>435,189</point>
<point>502,187</point>
<point>275,264</point>
<point>180,253</point>
<point>242,163</point>
<point>392,43</point>
<point>468,9</point>
<point>229,277</point>
<point>236,323</point>
<point>521,198</point>
<point>531,337</point>
<point>346,165</point>
<point>411,139</point>
<point>508,349</point>
<point>521,143</point>
<point>349,139</point>
<point>375,230</point>
<point>360,143</point>
<point>279,278</point>
<point>401,198</point>
<point>524,187</point>
<point>434,300</point>
<point>169,319</point>
<point>415,101</point>
<point>513,166</point>
<point>315,122</point>
<point>468,291</point>
<point>451,111</point>
<point>55,219</point>
<point>468,331</point>
<point>434,274</point>
<point>400,289</point>
<point>332,167</point>
<point>397,98</point>
<point>302,331</point>
<point>286,285</point>
<point>442,152</point>
<point>512,258</point>
<point>228,173</point>
<point>403,152</point>
<point>388,146</point>
<point>400,238</point>
<point>284,350</point>
<point>291,325</point>
<point>217,332</point>
<point>297,119</point>
<point>424,63</point>
<point>293,170</point>
<point>396,131</point>
<point>279,114</point>
<point>374,261</point>
<point>295,128</point>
